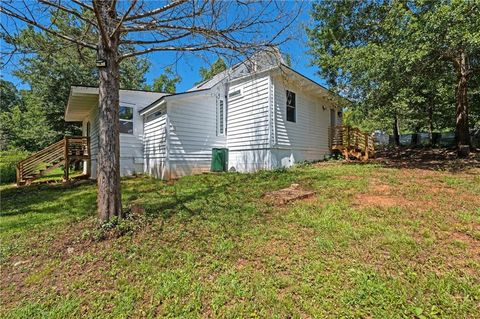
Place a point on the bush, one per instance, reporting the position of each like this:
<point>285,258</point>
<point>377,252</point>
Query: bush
<point>8,162</point>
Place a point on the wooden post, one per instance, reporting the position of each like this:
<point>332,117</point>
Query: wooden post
<point>348,137</point>
<point>65,169</point>
<point>366,146</point>
<point>19,176</point>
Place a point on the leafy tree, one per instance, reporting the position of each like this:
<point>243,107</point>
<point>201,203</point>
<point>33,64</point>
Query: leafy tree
<point>166,82</point>
<point>10,96</point>
<point>26,129</point>
<point>400,56</point>
<point>208,73</point>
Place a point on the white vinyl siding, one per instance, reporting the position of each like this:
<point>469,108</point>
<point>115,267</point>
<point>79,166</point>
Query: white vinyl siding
<point>248,130</point>
<point>192,134</point>
<point>131,145</point>
<point>307,137</point>
<point>155,143</point>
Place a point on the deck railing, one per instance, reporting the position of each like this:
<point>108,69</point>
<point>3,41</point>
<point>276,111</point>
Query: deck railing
<point>351,141</point>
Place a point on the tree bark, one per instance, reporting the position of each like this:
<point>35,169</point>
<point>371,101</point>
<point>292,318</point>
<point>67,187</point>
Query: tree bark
<point>462,133</point>
<point>108,167</point>
<point>396,133</point>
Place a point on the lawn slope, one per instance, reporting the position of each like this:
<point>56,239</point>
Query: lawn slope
<point>373,242</point>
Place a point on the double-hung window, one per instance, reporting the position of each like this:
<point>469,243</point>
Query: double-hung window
<point>126,119</point>
<point>291,107</point>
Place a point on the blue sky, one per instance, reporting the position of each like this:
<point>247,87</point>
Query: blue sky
<point>187,65</point>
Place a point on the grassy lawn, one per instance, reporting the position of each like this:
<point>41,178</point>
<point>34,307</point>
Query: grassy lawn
<point>373,242</point>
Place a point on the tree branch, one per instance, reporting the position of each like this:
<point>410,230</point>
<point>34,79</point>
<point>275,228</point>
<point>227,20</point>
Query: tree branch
<point>156,11</point>
<point>83,5</point>
<point>132,5</point>
<point>68,10</point>
<point>143,42</point>
<point>44,28</point>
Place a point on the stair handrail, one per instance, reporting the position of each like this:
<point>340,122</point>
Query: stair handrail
<point>48,148</point>
<point>50,153</point>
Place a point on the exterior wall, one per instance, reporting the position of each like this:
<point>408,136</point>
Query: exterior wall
<point>249,125</point>
<point>131,145</point>
<point>307,138</point>
<point>155,143</point>
<point>192,134</point>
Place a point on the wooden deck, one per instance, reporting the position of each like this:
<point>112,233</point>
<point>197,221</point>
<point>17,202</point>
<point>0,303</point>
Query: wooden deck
<point>69,150</point>
<point>351,142</point>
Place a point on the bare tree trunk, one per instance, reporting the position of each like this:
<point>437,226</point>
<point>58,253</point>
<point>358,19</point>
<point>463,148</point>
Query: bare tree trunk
<point>108,168</point>
<point>462,133</point>
<point>396,133</point>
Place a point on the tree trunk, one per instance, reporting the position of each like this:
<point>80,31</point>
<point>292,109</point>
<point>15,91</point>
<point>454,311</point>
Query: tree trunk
<point>462,133</point>
<point>396,133</point>
<point>430,124</point>
<point>108,167</point>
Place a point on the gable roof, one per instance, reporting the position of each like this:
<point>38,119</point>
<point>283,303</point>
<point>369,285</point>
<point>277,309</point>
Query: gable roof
<point>258,62</point>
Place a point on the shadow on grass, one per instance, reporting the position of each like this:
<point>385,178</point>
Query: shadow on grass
<point>225,198</point>
<point>30,206</point>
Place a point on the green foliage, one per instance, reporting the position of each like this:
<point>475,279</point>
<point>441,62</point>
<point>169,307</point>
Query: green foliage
<point>50,68</point>
<point>8,162</point>
<point>396,59</point>
<point>28,129</point>
<point>208,73</point>
<point>10,96</point>
<point>166,82</point>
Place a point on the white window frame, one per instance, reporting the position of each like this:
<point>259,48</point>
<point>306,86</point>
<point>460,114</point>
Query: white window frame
<point>236,96</point>
<point>221,117</point>
<point>292,107</point>
<point>132,120</point>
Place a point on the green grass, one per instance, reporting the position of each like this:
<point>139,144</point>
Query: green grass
<point>211,246</point>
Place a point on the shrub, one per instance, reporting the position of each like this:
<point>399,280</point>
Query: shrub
<point>8,162</point>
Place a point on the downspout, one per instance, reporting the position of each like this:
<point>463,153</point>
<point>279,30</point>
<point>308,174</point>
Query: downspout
<point>168,173</point>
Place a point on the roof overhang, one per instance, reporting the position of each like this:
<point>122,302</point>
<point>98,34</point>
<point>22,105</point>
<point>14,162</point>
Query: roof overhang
<point>80,103</point>
<point>309,86</point>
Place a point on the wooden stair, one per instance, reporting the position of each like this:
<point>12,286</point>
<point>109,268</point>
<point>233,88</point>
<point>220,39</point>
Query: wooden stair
<point>351,142</point>
<point>69,150</point>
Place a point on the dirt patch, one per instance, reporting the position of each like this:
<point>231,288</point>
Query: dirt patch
<point>287,195</point>
<point>368,200</point>
<point>427,159</point>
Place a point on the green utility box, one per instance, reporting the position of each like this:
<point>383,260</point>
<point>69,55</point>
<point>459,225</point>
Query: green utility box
<point>219,160</point>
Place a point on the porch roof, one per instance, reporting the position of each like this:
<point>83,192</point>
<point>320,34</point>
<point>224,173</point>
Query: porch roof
<point>80,103</point>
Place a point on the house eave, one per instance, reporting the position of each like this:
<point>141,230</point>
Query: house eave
<point>80,102</point>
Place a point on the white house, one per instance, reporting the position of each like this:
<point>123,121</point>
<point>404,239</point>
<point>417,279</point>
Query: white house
<point>264,113</point>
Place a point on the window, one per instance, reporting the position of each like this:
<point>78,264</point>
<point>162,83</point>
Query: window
<point>153,116</point>
<point>126,119</point>
<point>236,93</point>
<point>220,118</point>
<point>291,107</point>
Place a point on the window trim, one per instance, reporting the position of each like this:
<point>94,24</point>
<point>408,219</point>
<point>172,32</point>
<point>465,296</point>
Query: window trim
<point>294,107</point>
<point>221,120</point>
<point>237,95</point>
<point>124,120</point>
